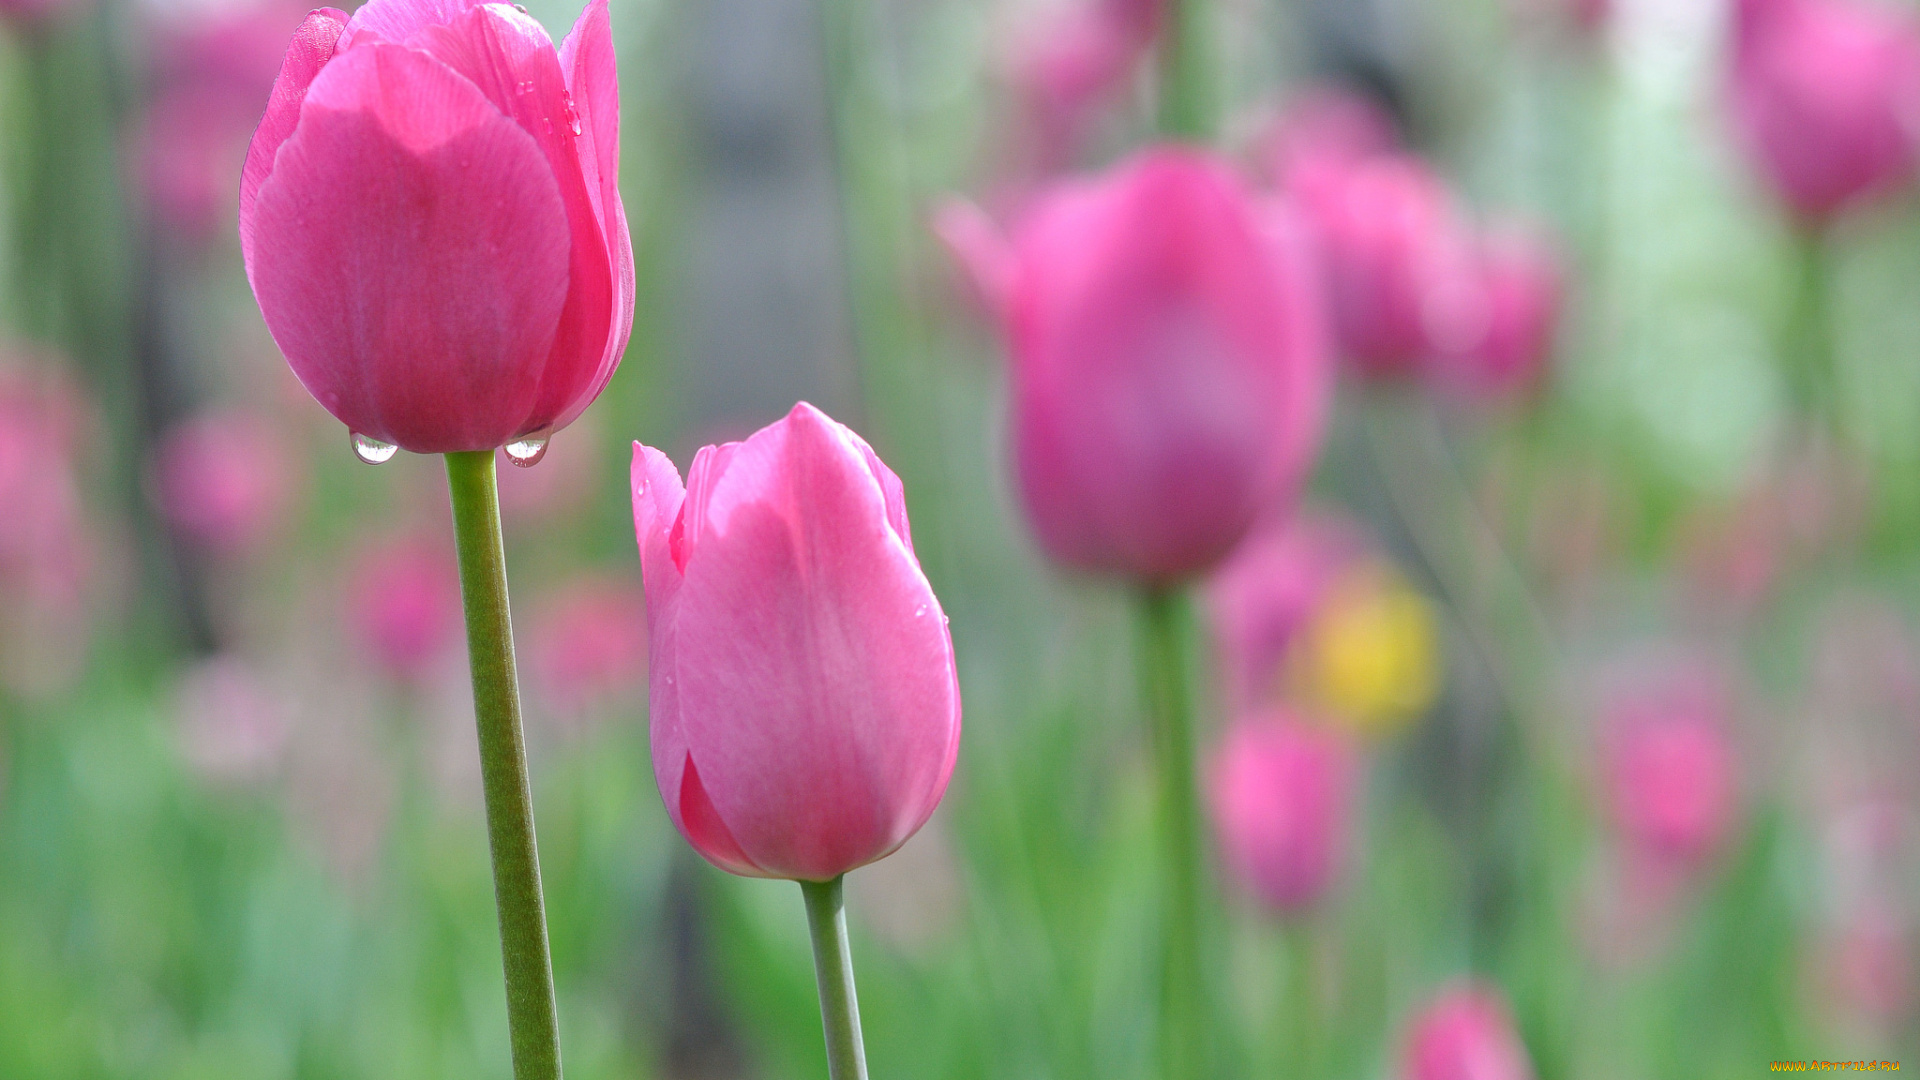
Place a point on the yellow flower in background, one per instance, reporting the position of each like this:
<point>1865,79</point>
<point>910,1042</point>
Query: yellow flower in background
<point>1368,660</point>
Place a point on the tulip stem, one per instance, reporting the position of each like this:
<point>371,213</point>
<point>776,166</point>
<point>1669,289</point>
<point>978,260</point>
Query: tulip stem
<point>1184,71</point>
<point>533,1023</point>
<point>1809,347</point>
<point>833,967</point>
<point>1163,682</point>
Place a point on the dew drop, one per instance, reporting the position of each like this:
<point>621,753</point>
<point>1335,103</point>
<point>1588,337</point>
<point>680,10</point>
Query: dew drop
<point>521,8</point>
<point>573,115</point>
<point>546,125</point>
<point>919,611</point>
<point>372,450</point>
<point>527,450</point>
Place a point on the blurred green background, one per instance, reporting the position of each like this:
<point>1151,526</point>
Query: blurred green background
<point>240,830</point>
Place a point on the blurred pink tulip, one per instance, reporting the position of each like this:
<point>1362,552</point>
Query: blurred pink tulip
<point>805,709</point>
<point>45,544</point>
<point>1510,343</point>
<point>403,603</point>
<point>1266,594</point>
<point>233,728</point>
<point>1169,373</point>
<point>1080,57</point>
<point>590,643</point>
<point>1322,137</point>
<point>473,281</point>
<point>1825,96</point>
<point>1397,262</point>
<point>1282,794</point>
<point>225,480</point>
<point>33,13</point>
<point>1670,768</point>
<point>1466,1033</point>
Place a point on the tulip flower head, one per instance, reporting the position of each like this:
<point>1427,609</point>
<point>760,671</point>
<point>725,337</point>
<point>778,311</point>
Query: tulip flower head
<point>1282,806</point>
<point>403,603</point>
<point>431,221</point>
<point>1670,768</point>
<point>805,710</point>
<point>1509,339</point>
<point>1397,262</point>
<point>224,480</point>
<point>1825,96</point>
<point>1168,369</point>
<point>1466,1033</point>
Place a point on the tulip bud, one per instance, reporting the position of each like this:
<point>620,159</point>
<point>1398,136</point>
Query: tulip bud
<point>1396,260</point>
<point>805,710</point>
<point>1282,801</point>
<point>431,221</point>
<point>1670,768</point>
<point>403,603</point>
<point>1466,1033</point>
<point>1169,375</point>
<point>1825,96</point>
<point>1264,597</point>
<point>224,480</point>
<point>1509,337</point>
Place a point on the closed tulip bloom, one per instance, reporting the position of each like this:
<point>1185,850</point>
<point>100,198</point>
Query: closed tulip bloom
<point>1825,97</point>
<point>403,603</point>
<point>1466,1033</point>
<point>1670,768</point>
<point>1397,263</point>
<point>804,707</point>
<point>1169,374</point>
<point>225,480</point>
<point>431,220</point>
<point>1511,345</point>
<point>1282,795</point>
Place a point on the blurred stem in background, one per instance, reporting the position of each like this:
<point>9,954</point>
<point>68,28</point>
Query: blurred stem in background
<point>532,1018</point>
<point>1185,104</point>
<point>1184,1016</point>
<point>833,967</point>
<point>1808,346</point>
<point>1301,1003</point>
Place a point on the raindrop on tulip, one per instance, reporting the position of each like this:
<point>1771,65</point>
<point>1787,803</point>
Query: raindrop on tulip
<point>573,116</point>
<point>527,450</point>
<point>372,450</point>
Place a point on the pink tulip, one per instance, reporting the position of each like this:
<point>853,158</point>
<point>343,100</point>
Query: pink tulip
<point>1169,376</point>
<point>431,220</point>
<point>805,709</point>
<point>1397,262</point>
<point>1282,794</point>
<point>590,643</point>
<point>1266,594</point>
<point>45,544</point>
<point>1825,97</point>
<point>225,480</point>
<point>403,603</point>
<point>1670,767</point>
<point>1466,1033</point>
<point>1082,56</point>
<point>1518,317</point>
<point>1321,138</point>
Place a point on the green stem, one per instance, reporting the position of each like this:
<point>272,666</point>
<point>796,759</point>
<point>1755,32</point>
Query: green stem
<point>833,967</point>
<point>1809,344</point>
<point>1183,1015</point>
<point>1184,97</point>
<point>1302,1004</point>
<point>532,1021</point>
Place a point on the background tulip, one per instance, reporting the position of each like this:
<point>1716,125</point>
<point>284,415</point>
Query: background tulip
<point>1169,375</point>
<point>1513,333</point>
<point>1282,803</point>
<point>1466,1033</point>
<point>1825,97</point>
<point>473,281</point>
<point>1670,767</point>
<point>805,710</point>
<point>403,603</point>
<point>225,480</point>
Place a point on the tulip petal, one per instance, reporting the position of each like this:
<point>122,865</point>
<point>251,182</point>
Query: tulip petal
<point>401,180</point>
<point>657,501</point>
<point>977,244</point>
<point>509,57</point>
<point>827,715</point>
<point>312,46</point>
<point>593,78</point>
<point>701,825</point>
<point>399,20</point>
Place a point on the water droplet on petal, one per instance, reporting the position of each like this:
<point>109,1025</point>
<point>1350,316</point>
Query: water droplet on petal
<point>527,450</point>
<point>372,450</point>
<point>573,115</point>
<point>919,611</point>
<point>521,8</point>
<point>546,125</point>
